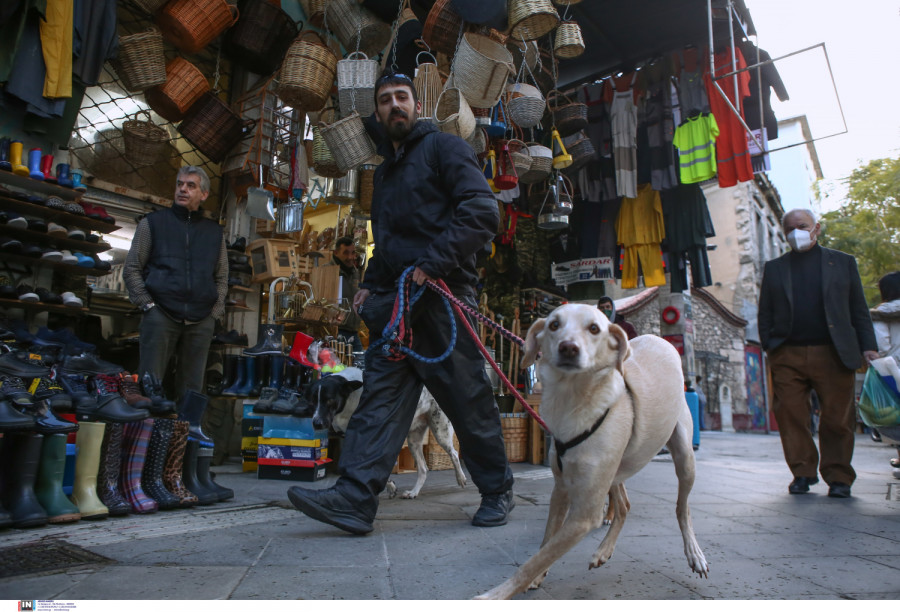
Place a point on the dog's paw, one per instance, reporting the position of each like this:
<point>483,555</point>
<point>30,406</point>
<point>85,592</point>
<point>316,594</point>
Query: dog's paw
<point>599,559</point>
<point>536,583</point>
<point>391,489</point>
<point>409,495</point>
<point>699,566</point>
<point>607,521</point>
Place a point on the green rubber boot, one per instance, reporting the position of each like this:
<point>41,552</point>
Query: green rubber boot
<point>48,487</point>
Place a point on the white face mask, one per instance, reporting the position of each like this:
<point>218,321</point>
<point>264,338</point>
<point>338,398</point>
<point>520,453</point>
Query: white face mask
<point>800,240</point>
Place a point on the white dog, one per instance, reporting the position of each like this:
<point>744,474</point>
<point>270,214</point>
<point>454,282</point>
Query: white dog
<point>611,406</point>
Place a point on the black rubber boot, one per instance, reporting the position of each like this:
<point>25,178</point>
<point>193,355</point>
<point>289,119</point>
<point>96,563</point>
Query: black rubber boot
<point>189,475</point>
<point>204,459</point>
<point>21,458</point>
<point>154,463</point>
<point>263,364</point>
<point>229,370</point>
<point>110,465</point>
<point>237,382</point>
<point>268,341</point>
<point>276,371</point>
<point>193,404</point>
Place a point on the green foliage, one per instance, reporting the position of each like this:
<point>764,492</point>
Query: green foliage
<point>868,225</point>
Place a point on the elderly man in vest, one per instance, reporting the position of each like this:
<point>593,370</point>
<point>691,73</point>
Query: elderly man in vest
<point>177,274</point>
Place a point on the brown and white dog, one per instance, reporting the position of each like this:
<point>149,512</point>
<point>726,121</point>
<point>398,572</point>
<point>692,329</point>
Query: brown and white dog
<point>335,398</point>
<point>592,375</point>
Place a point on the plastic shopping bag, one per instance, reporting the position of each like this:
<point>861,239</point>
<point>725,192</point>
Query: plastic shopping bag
<point>879,406</point>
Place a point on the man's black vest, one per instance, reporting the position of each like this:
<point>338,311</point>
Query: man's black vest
<point>180,273</point>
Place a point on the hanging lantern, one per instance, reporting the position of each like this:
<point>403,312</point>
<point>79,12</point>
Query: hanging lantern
<point>497,126</point>
<point>551,220</point>
<point>289,217</point>
<point>561,157</point>
<point>490,169</point>
<point>506,178</point>
<point>563,201</point>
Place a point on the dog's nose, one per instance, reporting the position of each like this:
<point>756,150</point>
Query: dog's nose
<point>568,349</point>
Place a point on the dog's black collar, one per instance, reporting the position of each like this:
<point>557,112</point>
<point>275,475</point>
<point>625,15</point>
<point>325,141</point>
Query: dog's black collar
<point>562,447</point>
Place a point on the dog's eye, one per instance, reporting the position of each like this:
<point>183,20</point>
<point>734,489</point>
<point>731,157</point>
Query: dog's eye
<point>594,329</point>
<point>554,325</point>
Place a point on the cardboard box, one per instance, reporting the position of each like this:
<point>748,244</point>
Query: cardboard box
<point>288,462</point>
<point>251,426</point>
<point>313,443</point>
<point>249,450</point>
<point>287,452</point>
<point>314,470</point>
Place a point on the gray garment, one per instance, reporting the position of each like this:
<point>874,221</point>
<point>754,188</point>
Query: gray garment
<point>137,258</point>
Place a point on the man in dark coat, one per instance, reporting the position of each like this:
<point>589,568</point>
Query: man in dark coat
<point>815,328</point>
<point>433,210</point>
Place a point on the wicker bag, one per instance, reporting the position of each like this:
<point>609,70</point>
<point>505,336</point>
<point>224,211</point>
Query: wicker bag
<point>531,19</point>
<point>453,115</point>
<point>145,142</point>
<point>213,128</point>
<point>570,117</point>
<point>307,73</point>
<point>569,42</point>
<point>314,11</point>
<point>261,37</point>
<point>141,63</point>
<point>526,105</point>
<point>190,25</point>
<point>356,27</point>
<point>348,141</point>
<point>541,164</point>
<point>323,161</point>
<point>356,84</point>
<point>481,69</point>
<point>441,28</point>
<point>183,87</point>
<point>428,85</point>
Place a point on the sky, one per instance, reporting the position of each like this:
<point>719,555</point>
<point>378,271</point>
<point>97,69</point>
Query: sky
<point>863,47</point>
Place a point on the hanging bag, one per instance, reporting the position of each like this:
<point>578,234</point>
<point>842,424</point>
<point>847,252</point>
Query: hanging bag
<point>879,406</point>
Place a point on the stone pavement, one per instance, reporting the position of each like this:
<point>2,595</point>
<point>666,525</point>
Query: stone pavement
<point>760,542</point>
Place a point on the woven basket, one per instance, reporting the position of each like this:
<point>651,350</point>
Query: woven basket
<point>541,164</point>
<point>436,458</point>
<point>531,19</point>
<point>350,21</point>
<point>141,63</point>
<point>323,161</point>
<point>569,42</point>
<point>452,113</point>
<point>478,141</point>
<point>145,142</point>
<point>149,6</point>
<point>314,11</point>
<point>582,151</point>
<point>213,128</point>
<point>183,87</point>
<point>348,142</point>
<point>366,188</point>
<point>356,84</point>
<point>526,105</point>
<point>523,50</point>
<point>190,25</point>
<point>518,152</point>
<point>441,28</point>
<point>515,435</point>
<point>261,37</point>
<point>428,85</point>
<point>307,73</point>
<point>481,69</point>
<point>570,117</point>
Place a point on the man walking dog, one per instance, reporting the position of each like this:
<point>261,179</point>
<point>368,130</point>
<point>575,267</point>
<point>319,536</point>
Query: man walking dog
<point>432,209</point>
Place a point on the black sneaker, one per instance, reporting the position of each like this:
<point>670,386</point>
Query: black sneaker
<point>11,365</point>
<point>89,364</point>
<point>153,389</point>
<point>329,506</point>
<point>48,297</point>
<point>49,390</point>
<point>14,390</point>
<point>76,386</point>
<point>494,510</point>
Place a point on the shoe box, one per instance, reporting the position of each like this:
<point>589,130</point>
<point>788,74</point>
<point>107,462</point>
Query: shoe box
<point>288,451</point>
<point>308,471</point>
<point>294,428</point>
<point>251,423</point>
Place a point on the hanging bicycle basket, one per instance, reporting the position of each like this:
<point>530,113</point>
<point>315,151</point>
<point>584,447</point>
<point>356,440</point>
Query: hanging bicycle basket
<point>183,87</point>
<point>190,25</point>
<point>356,84</point>
<point>145,142</point>
<point>582,151</point>
<point>307,73</point>
<point>314,11</point>
<point>261,37</point>
<point>521,158</point>
<point>141,63</point>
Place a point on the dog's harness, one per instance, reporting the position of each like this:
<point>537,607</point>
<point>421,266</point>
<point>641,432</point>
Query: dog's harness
<point>562,447</point>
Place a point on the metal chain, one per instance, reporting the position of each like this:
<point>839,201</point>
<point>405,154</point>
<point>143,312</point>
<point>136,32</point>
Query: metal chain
<point>395,29</point>
<point>216,74</point>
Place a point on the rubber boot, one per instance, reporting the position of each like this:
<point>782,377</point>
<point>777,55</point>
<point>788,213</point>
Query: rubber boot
<point>249,377</point>
<point>15,158</point>
<point>299,349</point>
<point>62,175</point>
<point>47,168</point>
<point>240,369</point>
<point>276,371</point>
<point>134,452</point>
<point>34,164</point>
<point>21,457</point>
<point>110,467</point>
<point>49,481</point>
<point>268,341</point>
<point>204,460</point>
<point>189,476</point>
<point>4,154</point>
<point>260,374</point>
<point>193,405</point>
<point>87,465</point>
<point>76,180</point>
<point>175,463</point>
<point>151,480</point>
<point>229,369</point>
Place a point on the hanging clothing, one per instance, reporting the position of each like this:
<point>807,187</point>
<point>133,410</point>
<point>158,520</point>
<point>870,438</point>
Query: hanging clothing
<point>768,76</point>
<point>640,230</point>
<point>691,88</point>
<point>732,155</point>
<point>623,116</point>
<point>597,180</point>
<point>695,139</point>
<point>13,16</point>
<point>660,133</point>
<point>95,39</point>
<point>607,243</point>
<point>56,44</point>
<point>26,80</point>
<point>688,225</point>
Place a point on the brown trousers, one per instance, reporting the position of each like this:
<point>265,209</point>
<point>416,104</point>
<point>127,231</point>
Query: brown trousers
<point>796,370</point>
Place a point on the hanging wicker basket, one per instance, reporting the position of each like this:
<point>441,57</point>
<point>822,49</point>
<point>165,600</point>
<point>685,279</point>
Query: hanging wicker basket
<point>481,69</point>
<point>453,115</point>
<point>213,128</point>
<point>261,37</point>
<point>366,189</point>
<point>145,142</point>
<point>541,164</point>
<point>348,142</point>
<point>353,23</point>
<point>570,117</point>
<point>478,141</point>
<point>569,42</point>
<point>526,105</point>
<point>356,84</point>
<point>190,25</point>
<point>531,19</point>
<point>150,6</point>
<point>183,87</point>
<point>323,161</point>
<point>307,73</point>
<point>441,28</point>
<point>141,63</point>
<point>314,11</point>
<point>428,85</point>
<point>582,151</point>
<point>521,158</point>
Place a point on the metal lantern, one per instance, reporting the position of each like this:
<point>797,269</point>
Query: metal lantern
<point>289,217</point>
<point>346,188</point>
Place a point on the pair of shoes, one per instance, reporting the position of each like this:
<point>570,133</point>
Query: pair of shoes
<point>801,484</point>
<point>494,510</point>
<point>329,506</point>
<point>839,489</point>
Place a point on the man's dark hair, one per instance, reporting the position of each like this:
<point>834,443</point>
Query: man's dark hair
<point>395,78</point>
<point>889,285</point>
<point>343,241</point>
<point>604,300</point>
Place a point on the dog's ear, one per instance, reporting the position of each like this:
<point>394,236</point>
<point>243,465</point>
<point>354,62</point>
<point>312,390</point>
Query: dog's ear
<point>353,385</point>
<point>619,341</point>
<point>531,343</point>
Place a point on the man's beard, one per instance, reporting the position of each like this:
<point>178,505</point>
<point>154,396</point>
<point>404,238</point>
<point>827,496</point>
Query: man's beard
<point>400,130</point>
